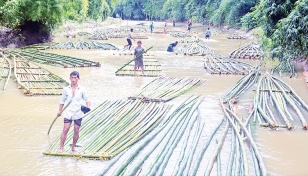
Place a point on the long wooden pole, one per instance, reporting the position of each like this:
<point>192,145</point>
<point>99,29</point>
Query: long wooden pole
<point>134,59</point>
<point>58,116</point>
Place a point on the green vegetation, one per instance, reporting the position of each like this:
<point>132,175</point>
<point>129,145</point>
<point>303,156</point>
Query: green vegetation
<point>283,23</point>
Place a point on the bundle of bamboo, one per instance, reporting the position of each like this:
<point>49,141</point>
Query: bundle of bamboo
<point>84,45</point>
<point>276,103</point>
<point>193,49</point>
<point>217,64</point>
<point>125,51</point>
<point>84,33</point>
<point>5,70</point>
<point>286,67</point>
<point>112,127</point>
<point>140,37</point>
<point>54,59</point>
<point>191,39</point>
<point>40,46</point>
<point>98,35</point>
<point>180,34</point>
<point>162,141</point>
<point>251,51</point>
<point>179,134</point>
<point>164,89</point>
<point>243,84</point>
<point>239,154</point>
<point>152,68</point>
<point>236,36</point>
<point>35,80</point>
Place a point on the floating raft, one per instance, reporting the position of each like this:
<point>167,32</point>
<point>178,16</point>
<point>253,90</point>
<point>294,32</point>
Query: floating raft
<point>286,68</point>
<point>251,51</point>
<point>98,35</point>
<point>84,33</point>
<point>140,37</point>
<point>5,70</point>
<point>164,89</point>
<point>40,46</point>
<point>84,45</point>
<point>180,34</point>
<point>55,59</point>
<point>111,128</point>
<point>193,49</point>
<point>236,36</point>
<point>35,80</point>
<point>191,147</point>
<point>277,104</point>
<point>190,39</point>
<point>152,68</point>
<point>125,51</point>
<point>216,64</point>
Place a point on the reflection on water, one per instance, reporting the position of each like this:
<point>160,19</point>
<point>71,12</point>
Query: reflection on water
<point>25,120</point>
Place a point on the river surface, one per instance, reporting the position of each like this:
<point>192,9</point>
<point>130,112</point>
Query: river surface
<point>25,120</point>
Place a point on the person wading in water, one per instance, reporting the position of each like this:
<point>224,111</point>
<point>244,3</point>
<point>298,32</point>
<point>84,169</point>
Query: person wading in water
<point>129,37</point>
<point>139,61</point>
<point>208,34</point>
<point>151,27</point>
<point>171,46</point>
<point>76,96</point>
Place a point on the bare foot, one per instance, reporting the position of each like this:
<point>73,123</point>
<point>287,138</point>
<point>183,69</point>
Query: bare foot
<point>61,150</point>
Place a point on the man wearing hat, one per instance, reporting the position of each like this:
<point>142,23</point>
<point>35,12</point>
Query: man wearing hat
<point>75,96</point>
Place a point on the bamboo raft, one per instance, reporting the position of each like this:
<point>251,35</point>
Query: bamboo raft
<point>216,64</point>
<point>236,36</point>
<point>140,37</point>
<point>164,89</point>
<point>285,67</point>
<point>126,52</point>
<point>40,46</point>
<point>277,104</point>
<point>193,49</point>
<point>180,34</point>
<point>111,128</point>
<point>5,70</point>
<point>84,33</point>
<point>98,35</point>
<point>152,68</point>
<point>35,80</point>
<point>190,39</point>
<point>84,45</point>
<point>54,59</point>
<point>171,138</point>
<point>251,51</point>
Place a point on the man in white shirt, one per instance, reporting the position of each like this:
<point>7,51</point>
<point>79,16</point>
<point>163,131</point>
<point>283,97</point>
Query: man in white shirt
<point>208,34</point>
<point>129,37</point>
<point>75,95</point>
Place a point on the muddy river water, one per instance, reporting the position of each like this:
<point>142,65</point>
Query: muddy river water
<point>24,121</point>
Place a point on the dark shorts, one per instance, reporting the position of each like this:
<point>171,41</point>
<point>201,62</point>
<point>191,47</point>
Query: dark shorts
<point>129,41</point>
<point>207,36</point>
<point>170,49</point>
<point>77,122</point>
<point>139,62</point>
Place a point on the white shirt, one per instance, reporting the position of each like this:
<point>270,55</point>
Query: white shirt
<point>73,111</point>
<point>129,35</point>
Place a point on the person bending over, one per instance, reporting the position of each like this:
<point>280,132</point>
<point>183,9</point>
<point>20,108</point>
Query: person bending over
<point>171,46</point>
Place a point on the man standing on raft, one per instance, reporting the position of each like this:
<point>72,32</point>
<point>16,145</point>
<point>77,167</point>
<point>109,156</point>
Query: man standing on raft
<point>139,61</point>
<point>129,37</point>
<point>75,95</point>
